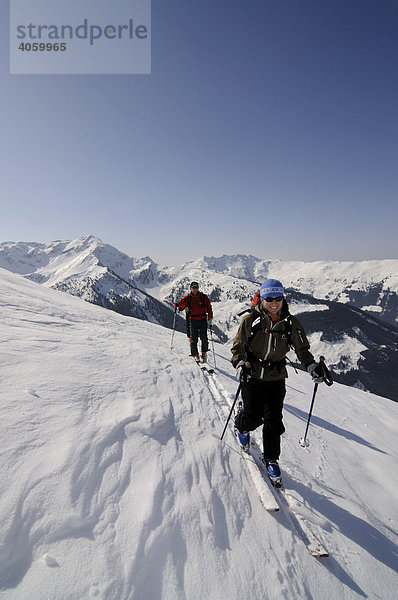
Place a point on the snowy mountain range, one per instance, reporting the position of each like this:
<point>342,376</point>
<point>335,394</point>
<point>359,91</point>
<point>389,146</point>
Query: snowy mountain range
<point>91,270</point>
<point>115,484</point>
<point>349,309</point>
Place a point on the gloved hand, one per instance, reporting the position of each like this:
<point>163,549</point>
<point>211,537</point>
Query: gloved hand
<point>242,371</point>
<point>210,322</point>
<point>316,373</point>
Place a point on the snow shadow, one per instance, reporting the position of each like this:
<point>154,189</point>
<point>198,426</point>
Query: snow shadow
<point>16,554</point>
<point>362,532</point>
<point>225,369</point>
<point>300,414</point>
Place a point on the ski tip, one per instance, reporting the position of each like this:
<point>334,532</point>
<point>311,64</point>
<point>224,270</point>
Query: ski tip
<point>316,549</point>
<point>319,553</point>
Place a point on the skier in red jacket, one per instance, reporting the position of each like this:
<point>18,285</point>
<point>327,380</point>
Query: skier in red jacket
<point>199,316</point>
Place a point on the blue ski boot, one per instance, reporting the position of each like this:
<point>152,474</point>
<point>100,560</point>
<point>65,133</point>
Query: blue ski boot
<point>244,440</point>
<point>273,472</point>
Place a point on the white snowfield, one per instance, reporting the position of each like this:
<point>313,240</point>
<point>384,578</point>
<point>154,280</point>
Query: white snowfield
<point>116,486</point>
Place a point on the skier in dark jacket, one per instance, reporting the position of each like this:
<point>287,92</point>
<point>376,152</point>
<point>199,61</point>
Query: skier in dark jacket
<point>199,316</point>
<point>258,354</point>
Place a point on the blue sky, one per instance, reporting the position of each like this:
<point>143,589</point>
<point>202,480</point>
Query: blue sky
<point>267,127</point>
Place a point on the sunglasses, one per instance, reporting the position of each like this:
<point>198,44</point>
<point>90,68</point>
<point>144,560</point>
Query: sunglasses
<point>277,299</point>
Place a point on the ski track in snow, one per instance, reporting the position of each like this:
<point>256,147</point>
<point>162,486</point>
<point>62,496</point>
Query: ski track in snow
<point>115,485</point>
<point>285,571</point>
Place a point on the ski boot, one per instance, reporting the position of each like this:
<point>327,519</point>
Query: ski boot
<point>244,440</point>
<point>273,472</point>
<point>203,357</point>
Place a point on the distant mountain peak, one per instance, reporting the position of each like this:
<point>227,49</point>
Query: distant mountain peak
<point>331,297</point>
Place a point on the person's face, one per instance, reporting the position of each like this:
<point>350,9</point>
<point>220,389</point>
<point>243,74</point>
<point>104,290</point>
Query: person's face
<point>194,290</point>
<point>273,305</point>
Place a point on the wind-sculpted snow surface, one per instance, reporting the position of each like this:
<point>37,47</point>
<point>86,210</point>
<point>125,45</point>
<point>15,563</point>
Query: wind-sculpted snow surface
<point>115,485</point>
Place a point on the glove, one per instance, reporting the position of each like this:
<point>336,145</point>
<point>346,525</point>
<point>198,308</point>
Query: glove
<point>210,322</point>
<point>316,373</point>
<point>242,371</point>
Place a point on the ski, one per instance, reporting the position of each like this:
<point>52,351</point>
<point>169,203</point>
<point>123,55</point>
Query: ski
<point>313,544</point>
<point>262,488</point>
<point>275,484</point>
<point>209,370</point>
<point>271,498</point>
<point>203,366</point>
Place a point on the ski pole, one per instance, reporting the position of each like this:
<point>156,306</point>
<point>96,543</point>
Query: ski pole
<point>329,381</point>
<point>232,408</point>
<point>303,441</point>
<point>212,343</point>
<point>174,327</point>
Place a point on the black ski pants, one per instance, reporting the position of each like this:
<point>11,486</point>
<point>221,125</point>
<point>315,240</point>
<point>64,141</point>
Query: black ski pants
<point>198,328</point>
<point>263,405</point>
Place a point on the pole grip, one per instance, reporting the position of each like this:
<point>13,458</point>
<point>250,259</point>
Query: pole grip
<point>325,371</point>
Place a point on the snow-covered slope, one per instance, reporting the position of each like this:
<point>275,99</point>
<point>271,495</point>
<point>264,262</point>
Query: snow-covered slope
<point>360,350</point>
<point>115,485</point>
